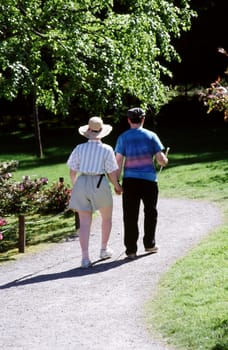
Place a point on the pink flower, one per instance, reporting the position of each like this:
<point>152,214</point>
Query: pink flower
<point>1,236</point>
<point>3,222</point>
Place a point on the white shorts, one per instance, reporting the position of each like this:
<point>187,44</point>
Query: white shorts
<point>87,196</point>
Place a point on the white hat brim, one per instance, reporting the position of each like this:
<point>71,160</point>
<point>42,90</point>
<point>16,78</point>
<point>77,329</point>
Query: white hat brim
<point>85,131</point>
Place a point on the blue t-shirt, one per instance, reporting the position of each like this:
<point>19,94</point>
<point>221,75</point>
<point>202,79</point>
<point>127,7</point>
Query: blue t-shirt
<point>138,146</point>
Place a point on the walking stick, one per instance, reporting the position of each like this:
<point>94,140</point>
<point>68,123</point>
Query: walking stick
<point>166,153</point>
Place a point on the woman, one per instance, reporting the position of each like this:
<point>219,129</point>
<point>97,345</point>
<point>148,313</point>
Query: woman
<point>94,162</point>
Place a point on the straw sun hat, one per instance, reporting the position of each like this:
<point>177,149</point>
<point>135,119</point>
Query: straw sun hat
<point>95,129</point>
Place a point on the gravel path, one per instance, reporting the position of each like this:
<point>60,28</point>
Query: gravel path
<point>47,302</point>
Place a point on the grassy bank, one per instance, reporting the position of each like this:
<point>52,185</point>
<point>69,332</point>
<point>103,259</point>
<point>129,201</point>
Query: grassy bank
<point>190,307</point>
<point>191,302</point>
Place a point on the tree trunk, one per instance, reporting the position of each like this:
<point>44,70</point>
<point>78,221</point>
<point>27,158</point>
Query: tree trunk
<point>39,148</point>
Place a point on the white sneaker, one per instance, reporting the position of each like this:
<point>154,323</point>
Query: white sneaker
<point>106,253</point>
<point>85,263</point>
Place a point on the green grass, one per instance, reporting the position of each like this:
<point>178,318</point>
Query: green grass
<point>191,303</point>
<point>57,146</point>
<point>190,307</point>
<point>39,229</point>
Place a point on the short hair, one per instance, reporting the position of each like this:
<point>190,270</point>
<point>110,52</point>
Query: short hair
<point>136,114</point>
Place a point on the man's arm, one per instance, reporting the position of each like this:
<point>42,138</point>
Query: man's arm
<point>161,158</point>
<point>113,177</point>
<point>120,161</point>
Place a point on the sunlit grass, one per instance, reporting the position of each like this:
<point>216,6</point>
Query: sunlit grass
<point>190,306</point>
<point>53,172</point>
<point>198,180</point>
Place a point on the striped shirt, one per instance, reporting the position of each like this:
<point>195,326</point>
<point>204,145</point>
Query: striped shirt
<point>138,146</point>
<point>93,157</point>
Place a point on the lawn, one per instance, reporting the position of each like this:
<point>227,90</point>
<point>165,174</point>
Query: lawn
<point>190,308</point>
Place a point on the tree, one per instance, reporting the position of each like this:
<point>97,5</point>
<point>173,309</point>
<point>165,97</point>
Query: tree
<point>92,53</point>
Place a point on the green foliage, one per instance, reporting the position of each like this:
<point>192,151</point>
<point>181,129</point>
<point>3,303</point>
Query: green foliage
<point>90,53</point>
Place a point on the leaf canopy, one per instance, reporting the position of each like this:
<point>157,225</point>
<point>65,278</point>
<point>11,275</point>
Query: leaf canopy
<point>90,53</point>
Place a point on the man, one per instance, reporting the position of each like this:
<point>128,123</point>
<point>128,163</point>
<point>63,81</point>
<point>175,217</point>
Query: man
<point>93,160</point>
<point>135,150</point>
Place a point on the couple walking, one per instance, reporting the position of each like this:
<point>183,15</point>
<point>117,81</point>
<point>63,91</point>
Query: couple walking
<point>93,164</point>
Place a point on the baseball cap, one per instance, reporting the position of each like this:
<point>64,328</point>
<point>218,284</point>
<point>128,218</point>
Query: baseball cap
<point>135,113</point>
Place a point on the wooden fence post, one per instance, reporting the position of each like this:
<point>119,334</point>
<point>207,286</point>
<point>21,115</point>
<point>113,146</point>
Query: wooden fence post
<point>61,181</point>
<point>77,221</point>
<point>22,236</point>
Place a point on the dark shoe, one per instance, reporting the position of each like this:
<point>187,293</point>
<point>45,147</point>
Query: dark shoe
<point>131,256</point>
<point>153,249</point>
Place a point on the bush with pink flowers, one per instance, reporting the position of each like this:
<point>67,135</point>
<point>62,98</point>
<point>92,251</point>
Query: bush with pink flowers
<point>28,197</point>
<point>20,197</point>
<point>215,98</point>
<point>3,222</point>
<point>54,199</point>
<point>8,166</point>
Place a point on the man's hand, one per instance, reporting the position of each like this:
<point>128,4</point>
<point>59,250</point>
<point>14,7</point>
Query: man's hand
<point>118,189</point>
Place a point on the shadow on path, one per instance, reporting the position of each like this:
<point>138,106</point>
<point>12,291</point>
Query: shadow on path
<point>96,267</point>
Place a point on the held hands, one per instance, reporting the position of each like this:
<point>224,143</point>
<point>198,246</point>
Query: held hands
<point>118,189</point>
<point>113,177</point>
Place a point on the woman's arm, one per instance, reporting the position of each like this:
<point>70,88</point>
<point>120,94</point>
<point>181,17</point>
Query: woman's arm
<point>113,177</point>
<point>73,175</point>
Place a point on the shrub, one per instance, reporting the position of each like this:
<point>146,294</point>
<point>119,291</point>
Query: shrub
<point>54,199</point>
<point>3,222</point>
<point>216,99</point>
<point>20,197</point>
<point>8,166</point>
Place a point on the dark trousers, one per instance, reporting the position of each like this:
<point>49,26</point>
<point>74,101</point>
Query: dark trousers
<point>135,190</point>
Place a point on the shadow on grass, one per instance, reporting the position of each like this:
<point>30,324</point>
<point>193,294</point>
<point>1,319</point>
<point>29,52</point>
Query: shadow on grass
<point>5,258</point>
<point>189,159</point>
<point>223,341</point>
<point>220,346</point>
<point>57,144</point>
<point>195,145</point>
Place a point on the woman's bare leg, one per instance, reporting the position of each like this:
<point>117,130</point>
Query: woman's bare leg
<point>85,218</point>
<point>106,226</point>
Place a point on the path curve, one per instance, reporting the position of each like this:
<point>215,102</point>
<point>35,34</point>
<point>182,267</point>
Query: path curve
<point>47,302</point>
